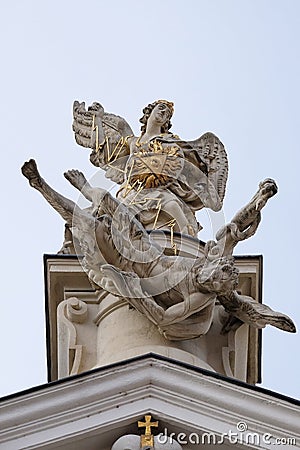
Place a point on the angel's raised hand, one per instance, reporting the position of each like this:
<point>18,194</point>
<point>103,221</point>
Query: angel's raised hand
<point>97,110</point>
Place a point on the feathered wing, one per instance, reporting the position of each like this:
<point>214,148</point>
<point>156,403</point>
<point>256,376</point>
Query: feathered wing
<point>247,310</point>
<point>112,153</point>
<point>209,155</point>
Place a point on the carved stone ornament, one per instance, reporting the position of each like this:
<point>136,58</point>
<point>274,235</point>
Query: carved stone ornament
<point>163,181</point>
<point>147,441</point>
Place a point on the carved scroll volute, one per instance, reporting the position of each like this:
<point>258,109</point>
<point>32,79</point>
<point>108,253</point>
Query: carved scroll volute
<point>69,312</point>
<point>77,310</point>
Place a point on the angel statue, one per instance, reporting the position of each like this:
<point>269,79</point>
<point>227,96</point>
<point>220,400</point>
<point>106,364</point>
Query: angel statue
<point>164,180</point>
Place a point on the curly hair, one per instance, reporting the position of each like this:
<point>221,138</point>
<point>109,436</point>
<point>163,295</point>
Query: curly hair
<point>146,114</point>
<point>218,275</point>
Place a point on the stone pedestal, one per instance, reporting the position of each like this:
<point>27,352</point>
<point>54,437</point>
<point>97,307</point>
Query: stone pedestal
<point>124,333</point>
<point>88,328</point>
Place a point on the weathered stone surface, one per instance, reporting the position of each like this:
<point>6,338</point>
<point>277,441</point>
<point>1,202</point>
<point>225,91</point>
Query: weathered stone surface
<point>162,177</point>
<point>113,331</point>
<point>164,180</point>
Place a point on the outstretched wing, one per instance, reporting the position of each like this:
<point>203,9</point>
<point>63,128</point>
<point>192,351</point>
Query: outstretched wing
<point>105,133</point>
<point>255,314</point>
<point>209,154</point>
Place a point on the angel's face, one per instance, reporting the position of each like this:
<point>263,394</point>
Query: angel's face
<point>160,114</point>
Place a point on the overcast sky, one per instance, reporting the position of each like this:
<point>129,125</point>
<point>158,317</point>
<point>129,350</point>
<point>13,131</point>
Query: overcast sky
<point>230,66</point>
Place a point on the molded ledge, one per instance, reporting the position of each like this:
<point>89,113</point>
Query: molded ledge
<point>97,407</point>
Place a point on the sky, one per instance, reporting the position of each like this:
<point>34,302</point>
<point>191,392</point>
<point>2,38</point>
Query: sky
<point>231,67</point>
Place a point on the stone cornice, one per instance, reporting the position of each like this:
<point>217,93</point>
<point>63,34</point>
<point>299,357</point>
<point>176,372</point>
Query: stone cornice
<point>105,401</point>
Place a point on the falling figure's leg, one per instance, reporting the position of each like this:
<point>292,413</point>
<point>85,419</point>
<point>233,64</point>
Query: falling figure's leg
<point>103,202</point>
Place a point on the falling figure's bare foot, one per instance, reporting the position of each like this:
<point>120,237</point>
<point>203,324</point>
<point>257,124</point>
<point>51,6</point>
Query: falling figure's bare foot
<point>78,180</point>
<point>30,171</point>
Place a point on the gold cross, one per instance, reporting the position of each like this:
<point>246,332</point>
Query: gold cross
<point>147,438</point>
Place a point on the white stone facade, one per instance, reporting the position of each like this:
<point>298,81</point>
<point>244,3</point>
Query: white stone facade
<point>90,328</point>
<point>92,410</point>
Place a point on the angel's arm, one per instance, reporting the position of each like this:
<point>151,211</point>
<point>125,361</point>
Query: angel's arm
<point>98,133</point>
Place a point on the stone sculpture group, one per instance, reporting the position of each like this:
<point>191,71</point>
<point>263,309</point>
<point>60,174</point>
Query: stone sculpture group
<point>163,181</point>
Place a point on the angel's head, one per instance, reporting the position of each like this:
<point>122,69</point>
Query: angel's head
<point>163,111</point>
